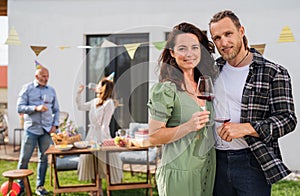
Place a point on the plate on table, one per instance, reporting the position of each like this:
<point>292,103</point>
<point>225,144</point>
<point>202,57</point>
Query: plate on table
<point>63,147</point>
<point>81,144</point>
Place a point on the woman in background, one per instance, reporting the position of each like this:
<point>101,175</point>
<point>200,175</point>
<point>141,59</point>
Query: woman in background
<point>100,110</point>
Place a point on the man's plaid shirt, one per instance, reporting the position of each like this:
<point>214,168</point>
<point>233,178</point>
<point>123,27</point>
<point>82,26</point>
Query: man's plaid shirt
<point>267,104</point>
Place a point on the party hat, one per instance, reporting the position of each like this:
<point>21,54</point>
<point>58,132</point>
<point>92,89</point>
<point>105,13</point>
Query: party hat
<point>111,76</point>
<point>38,65</point>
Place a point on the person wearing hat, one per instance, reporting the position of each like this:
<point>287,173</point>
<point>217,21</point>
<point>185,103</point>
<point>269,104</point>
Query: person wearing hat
<point>100,110</point>
<point>39,104</point>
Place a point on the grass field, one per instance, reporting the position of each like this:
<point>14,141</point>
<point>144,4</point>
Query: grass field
<point>282,188</point>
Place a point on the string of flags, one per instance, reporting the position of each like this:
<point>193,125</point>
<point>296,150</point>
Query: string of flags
<point>286,35</point>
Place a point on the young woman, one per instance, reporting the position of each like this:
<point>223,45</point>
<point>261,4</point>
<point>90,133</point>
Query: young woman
<point>100,110</point>
<point>177,120</point>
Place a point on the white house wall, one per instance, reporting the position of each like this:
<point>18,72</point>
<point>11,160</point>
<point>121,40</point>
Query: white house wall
<point>56,23</point>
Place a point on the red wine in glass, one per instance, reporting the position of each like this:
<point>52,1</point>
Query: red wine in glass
<point>222,120</point>
<point>206,97</point>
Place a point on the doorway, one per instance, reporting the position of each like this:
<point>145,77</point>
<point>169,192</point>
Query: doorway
<point>131,75</point>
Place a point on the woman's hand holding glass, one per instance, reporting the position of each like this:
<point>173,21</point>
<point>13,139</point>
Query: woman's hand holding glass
<point>80,89</point>
<point>199,120</point>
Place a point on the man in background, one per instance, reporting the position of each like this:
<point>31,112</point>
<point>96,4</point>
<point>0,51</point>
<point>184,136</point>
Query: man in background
<point>38,102</point>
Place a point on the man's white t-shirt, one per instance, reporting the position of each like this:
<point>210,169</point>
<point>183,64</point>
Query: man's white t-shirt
<point>228,90</point>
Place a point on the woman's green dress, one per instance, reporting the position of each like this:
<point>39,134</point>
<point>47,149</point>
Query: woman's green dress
<point>188,164</point>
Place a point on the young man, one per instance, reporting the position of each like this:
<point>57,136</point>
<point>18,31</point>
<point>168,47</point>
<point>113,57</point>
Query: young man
<point>38,102</point>
<point>259,95</point>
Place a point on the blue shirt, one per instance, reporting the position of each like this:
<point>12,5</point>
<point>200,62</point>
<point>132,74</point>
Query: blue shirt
<point>32,95</point>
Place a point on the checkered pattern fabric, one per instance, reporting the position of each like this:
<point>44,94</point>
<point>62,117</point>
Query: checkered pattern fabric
<point>267,104</point>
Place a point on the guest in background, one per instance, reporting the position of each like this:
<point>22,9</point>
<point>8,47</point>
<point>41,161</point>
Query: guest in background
<point>100,110</point>
<point>38,103</point>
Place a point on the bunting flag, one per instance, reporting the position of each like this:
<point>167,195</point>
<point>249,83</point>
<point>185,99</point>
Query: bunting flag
<point>13,38</point>
<point>38,49</point>
<point>63,47</point>
<point>107,44</point>
<point>159,45</point>
<point>38,65</point>
<point>286,35</point>
<point>259,47</point>
<point>131,48</point>
<point>85,47</point>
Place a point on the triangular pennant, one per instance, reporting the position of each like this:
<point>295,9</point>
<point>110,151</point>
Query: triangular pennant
<point>159,45</point>
<point>107,44</point>
<point>259,47</point>
<point>286,35</point>
<point>131,48</point>
<point>38,65</point>
<point>38,49</point>
<point>63,47</point>
<point>13,38</point>
<point>84,47</point>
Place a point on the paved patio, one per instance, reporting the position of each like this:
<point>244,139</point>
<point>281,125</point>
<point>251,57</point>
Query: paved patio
<point>14,156</point>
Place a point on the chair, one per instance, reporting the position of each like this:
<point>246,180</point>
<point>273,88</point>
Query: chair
<point>3,130</point>
<point>64,163</point>
<point>140,158</point>
<point>21,174</point>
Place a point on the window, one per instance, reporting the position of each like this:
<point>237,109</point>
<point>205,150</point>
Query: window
<point>131,75</point>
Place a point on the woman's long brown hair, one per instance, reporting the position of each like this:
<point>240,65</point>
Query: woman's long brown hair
<point>169,69</point>
<point>106,91</point>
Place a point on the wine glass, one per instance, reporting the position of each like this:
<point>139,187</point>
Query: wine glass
<point>205,91</point>
<point>46,99</point>
<point>221,117</point>
<point>92,86</point>
<point>222,112</point>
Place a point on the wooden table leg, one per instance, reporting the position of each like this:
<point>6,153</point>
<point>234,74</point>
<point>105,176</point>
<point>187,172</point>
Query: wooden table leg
<point>108,181</point>
<point>56,182</point>
<point>97,180</point>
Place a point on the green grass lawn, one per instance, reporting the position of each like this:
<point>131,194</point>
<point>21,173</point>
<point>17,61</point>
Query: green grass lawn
<point>70,177</point>
<point>282,188</point>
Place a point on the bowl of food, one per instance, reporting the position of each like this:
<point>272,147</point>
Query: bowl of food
<point>64,147</point>
<point>81,144</point>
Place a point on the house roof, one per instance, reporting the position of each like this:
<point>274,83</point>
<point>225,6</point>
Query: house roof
<point>3,7</point>
<point>3,76</point>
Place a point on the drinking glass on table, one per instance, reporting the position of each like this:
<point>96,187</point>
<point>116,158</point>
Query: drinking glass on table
<point>221,117</point>
<point>205,91</point>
